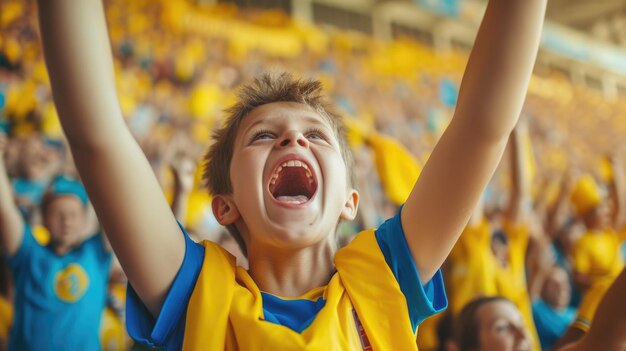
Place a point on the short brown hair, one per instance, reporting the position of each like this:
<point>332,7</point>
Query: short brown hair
<point>265,89</point>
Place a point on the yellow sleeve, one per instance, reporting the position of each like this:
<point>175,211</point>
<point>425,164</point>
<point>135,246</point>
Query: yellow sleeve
<point>589,304</point>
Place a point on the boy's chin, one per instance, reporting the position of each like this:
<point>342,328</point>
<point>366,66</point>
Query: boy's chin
<point>286,212</point>
<point>298,233</point>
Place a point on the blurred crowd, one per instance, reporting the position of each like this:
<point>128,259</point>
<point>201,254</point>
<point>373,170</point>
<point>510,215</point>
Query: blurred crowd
<point>545,237</point>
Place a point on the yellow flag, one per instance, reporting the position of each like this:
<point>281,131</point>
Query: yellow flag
<point>397,168</point>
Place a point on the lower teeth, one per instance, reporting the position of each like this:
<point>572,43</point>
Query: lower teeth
<point>298,199</point>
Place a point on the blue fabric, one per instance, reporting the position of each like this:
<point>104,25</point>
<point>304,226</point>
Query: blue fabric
<point>58,299</point>
<point>296,315</point>
<point>32,190</point>
<point>423,301</point>
<point>550,323</point>
<point>67,186</point>
<point>168,329</point>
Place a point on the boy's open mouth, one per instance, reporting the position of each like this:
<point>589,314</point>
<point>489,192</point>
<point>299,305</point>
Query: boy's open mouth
<point>293,182</point>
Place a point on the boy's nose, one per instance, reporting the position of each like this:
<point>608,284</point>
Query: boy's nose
<point>293,138</point>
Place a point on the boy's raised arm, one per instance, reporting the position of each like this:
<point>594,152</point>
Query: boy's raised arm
<point>11,222</point>
<point>490,101</point>
<point>120,183</point>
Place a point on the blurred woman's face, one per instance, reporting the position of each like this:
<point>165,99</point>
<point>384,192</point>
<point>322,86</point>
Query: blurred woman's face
<point>557,291</point>
<point>502,328</point>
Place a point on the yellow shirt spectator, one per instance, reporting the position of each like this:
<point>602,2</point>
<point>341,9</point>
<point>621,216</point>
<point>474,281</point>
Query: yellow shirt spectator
<point>511,280</point>
<point>597,255</point>
<point>473,268</point>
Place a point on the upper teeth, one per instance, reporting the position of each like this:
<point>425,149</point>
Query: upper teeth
<point>291,163</point>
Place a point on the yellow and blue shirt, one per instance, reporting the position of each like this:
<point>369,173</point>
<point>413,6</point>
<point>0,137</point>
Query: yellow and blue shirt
<point>374,301</point>
<point>58,299</point>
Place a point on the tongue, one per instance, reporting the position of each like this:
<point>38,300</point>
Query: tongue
<point>297,199</point>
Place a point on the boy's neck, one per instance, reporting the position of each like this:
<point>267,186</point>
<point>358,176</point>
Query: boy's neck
<point>291,273</point>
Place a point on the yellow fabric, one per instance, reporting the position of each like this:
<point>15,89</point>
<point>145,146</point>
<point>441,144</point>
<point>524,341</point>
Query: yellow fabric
<point>6,317</point>
<point>397,168</point>
<point>356,131</point>
<point>233,312</point>
<point>597,255</point>
<point>50,124</point>
<point>511,281</point>
<point>199,206</point>
<point>427,338</point>
<point>113,336</point>
<point>112,332</point>
<point>41,234</point>
<point>585,195</point>
<point>590,302</point>
<point>10,11</point>
<point>472,264</point>
<point>605,169</point>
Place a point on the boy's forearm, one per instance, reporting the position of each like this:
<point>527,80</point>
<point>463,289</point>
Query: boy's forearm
<point>79,61</point>
<point>11,223</point>
<point>498,71</point>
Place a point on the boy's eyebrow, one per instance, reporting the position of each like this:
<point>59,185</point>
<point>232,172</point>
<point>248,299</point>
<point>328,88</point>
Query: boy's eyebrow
<point>257,122</point>
<point>316,120</point>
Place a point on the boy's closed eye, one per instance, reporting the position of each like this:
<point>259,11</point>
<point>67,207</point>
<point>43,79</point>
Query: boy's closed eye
<point>313,134</point>
<point>316,133</point>
<point>502,327</point>
<point>262,135</point>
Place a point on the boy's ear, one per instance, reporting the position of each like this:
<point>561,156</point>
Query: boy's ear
<point>224,210</point>
<point>350,207</point>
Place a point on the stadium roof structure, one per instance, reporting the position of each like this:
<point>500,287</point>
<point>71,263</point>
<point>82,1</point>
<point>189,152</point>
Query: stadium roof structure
<point>585,39</point>
<point>602,19</point>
